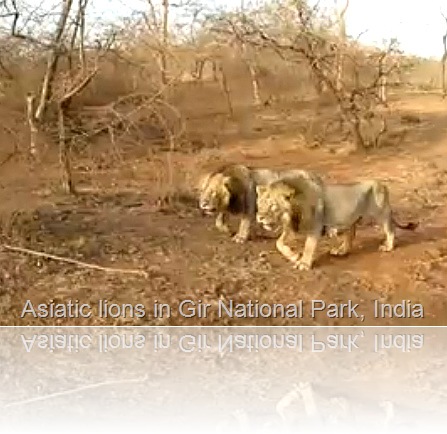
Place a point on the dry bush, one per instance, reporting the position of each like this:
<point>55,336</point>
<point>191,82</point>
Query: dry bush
<point>356,78</point>
<point>146,94</point>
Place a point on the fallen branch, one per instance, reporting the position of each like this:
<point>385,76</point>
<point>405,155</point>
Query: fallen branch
<point>7,158</point>
<point>74,261</point>
<point>80,86</point>
<point>11,154</point>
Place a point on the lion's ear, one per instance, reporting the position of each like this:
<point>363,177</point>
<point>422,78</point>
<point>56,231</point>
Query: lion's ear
<point>289,195</point>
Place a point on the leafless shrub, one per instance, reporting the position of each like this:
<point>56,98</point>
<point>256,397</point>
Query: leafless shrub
<point>72,63</point>
<point>358,93</point>
<point>126,81</point>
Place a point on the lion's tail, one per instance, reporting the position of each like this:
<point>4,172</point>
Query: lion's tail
<point>410,226</point>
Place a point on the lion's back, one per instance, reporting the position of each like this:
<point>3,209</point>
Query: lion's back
<point>264,176</point>
<point>345,203</point>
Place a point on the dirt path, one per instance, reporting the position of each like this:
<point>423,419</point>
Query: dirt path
<point>186,257</point>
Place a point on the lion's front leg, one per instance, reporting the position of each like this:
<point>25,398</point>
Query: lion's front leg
<point>243,232</point>
<point>248,215</point>
<point>285,250</point>
<point>307,258</point>
<point>221,224</point>
<point>346,245</point>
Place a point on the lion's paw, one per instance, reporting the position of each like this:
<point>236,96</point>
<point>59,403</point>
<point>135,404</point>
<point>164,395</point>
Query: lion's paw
<point>385,248</point>
<point>338,251</point>
<point>240,239</point>
<point>223,228</point>
<point>302,266</point>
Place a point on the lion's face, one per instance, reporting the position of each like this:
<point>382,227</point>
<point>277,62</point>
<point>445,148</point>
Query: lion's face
<point>270,208</point>
<point>214,194</point>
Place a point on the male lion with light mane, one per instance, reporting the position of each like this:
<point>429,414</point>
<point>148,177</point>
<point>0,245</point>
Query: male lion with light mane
<point>296,204</point>
<point>231,189</point>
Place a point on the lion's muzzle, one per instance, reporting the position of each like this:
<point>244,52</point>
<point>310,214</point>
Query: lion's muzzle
<point>266,225</point>
<point>206,207</point>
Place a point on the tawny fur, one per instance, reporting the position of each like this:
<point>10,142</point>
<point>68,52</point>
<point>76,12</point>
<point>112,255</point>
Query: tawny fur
<point>232,190</point>
<point>297,204</point>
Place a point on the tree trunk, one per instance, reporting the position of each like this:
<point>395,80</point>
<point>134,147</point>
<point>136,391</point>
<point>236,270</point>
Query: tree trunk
<point>382,89</point>
<point>254,83</point>
<point>358,138</point>
<point>52,61</point>
<point>342,42</point>
<point>224,85</point>
<point>163,54</point>
<point>78,33</point>
<point>30,98</point>
<point>64,153</point>
<point>253,74</point>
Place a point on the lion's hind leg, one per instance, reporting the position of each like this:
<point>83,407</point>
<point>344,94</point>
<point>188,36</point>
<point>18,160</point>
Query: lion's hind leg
<point>382,211</point>
<point>346,246</point>
<point>389,229</point>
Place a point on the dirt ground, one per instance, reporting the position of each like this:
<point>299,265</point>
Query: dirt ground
<point>119,221</point>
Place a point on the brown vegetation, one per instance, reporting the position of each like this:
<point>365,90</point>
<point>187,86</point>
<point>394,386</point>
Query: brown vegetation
<point>101,143</point>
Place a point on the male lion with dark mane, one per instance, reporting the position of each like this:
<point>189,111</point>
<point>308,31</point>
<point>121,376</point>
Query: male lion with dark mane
<point>297,204</point>
<point>231,189</point>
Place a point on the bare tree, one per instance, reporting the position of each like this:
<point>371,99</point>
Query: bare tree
<point>210,53</point>
<point>59,86</point>
<point>157,29</point>
<point>214,53</point>
<point>72,87</point>
<point>55,48</point>
<point>10,10</point>
<point>78,36</point>
<point>251,66</point>
<point>356,99</point>
<point>383,76</point>
<point>165,40</point>
<point>249,61</point>
<point>341,12</point>
<point>30,99</point>
<point>63,104</point>
<point>53,58</point>
<point>227,30</point>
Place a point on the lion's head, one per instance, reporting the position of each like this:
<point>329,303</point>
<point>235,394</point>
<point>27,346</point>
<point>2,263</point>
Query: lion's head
<point>273,202</point>
<point>215,194</point>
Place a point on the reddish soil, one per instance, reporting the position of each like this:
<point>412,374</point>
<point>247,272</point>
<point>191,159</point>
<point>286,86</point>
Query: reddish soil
<point>118,221</point>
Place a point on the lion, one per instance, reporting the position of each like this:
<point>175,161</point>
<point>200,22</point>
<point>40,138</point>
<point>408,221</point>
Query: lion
<point>329,209</point>
<point>231,189</point>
